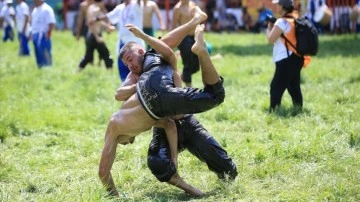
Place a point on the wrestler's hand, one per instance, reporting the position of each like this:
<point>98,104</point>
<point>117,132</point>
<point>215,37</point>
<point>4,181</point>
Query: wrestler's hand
<point>135,30</point>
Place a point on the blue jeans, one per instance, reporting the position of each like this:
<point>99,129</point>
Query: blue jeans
<point>8,33</point>
<point>24,44</point>
<point>42,46</point>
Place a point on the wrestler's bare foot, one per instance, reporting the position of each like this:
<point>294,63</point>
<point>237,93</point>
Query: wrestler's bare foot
<point>199,15</point>
<point>199,46</point>
<point>177,181</point>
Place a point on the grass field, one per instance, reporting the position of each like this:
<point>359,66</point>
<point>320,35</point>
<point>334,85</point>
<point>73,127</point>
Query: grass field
<point>52,125</point>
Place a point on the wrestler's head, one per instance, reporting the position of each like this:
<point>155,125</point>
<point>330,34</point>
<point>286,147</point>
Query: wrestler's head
<point>132,55</point>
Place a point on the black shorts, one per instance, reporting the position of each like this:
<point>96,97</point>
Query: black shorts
<point>197,140</point>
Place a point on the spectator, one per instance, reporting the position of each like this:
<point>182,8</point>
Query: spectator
<point>182,13</point>
<point>23,26</point>
<point>94,39</point>
<point>7,18</point>
<point>288,63</point>
<point>42,24</point>
<point>210,10</point>
<point>150,8</point>
<point>312,7</point>
<point>81,28</point>
<point>71,12</point>
<point>221,14</point>
<point>247,19</point>
<point>261,22</point>
<point>127,12</point>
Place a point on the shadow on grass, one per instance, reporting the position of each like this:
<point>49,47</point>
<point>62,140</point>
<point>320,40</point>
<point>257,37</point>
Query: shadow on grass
<point>286,112</point>
<point>166,196</point>
<point>345,46</point>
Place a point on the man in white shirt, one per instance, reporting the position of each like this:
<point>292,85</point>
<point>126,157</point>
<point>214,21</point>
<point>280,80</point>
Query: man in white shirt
<point>128,12</point>
<point>7,15</point>
<point>42,23</point>
<point>312,7</point>
<point>23,26</point>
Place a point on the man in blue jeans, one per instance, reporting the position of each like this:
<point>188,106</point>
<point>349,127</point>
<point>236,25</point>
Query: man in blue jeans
<point>42,23</point>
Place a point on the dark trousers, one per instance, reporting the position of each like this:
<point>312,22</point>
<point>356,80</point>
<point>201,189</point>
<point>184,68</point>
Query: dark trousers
<point>287,76</point>
<point>23,44</point>
<point>91,45</point>
<point>197,140</point>
<point>8,33</point>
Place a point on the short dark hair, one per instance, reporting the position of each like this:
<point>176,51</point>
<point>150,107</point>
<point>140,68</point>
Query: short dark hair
<point>128,46</point>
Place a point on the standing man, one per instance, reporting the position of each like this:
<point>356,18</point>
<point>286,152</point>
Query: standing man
<point>94,39</point>
<point>42,24</point>
<point>23,26</point>
<point>128,12</point>
<point>81,28</point>
<point>313,6</point>
<point>7,15</point>
<point>150,7</point>
<point>181,15</point>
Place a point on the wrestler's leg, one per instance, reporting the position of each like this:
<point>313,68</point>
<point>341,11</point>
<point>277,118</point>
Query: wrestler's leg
<point>162,166</point>
<point>177,181</point>
<point>208,72</point>
<point>175,36</point>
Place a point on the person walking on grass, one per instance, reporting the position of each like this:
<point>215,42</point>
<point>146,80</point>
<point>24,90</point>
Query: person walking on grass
<point>288,63</point>
<point>42,24</point>
<point>94,39</point>
<point>7,17</point>
<point>23,26</point>
<point>81,28</point>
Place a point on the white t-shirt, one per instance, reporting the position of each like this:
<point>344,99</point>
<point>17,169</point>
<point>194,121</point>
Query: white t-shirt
<point>279,49</point>
<point>41,17</point>
<point>22,10</point>
<point>6,13</point>
<point>122,15</point>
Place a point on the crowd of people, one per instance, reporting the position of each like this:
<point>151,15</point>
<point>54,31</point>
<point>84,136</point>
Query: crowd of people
<point>144,60</point>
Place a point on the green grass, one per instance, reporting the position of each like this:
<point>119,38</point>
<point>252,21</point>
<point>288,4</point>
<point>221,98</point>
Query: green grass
<point>52,125</point>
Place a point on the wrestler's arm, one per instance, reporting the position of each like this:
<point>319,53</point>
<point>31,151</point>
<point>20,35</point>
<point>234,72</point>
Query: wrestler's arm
<point>160,47</point>
<point>171,135</point>
<point>106,162</point>
<point>127,88</point>
<point>177,79</point>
